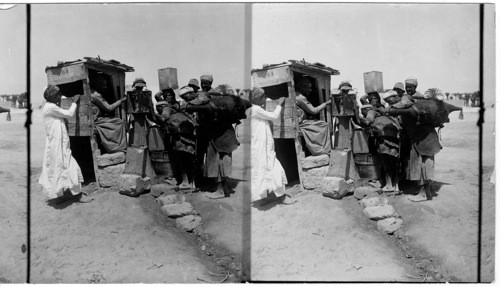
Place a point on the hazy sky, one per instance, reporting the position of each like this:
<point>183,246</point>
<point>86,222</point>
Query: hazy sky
<point>437,44</point>
<point>194,38</point>
<point>13,50</point>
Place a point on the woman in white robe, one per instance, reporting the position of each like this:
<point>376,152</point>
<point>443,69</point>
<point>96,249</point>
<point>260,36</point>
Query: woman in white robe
<point>60,171</point>
<point>268,178</point>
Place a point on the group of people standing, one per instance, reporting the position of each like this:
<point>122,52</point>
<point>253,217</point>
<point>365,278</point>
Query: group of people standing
<point>405,143</point>
<point>200,131</point>
<point>197,132</point>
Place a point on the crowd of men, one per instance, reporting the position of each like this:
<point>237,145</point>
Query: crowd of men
<point>403,134</point>
<point>197,132</point>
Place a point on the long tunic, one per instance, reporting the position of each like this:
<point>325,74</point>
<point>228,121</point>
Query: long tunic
<point>316,132</point>
<point>111,130</point>
<point>267,172</point>
<point>60,171</point>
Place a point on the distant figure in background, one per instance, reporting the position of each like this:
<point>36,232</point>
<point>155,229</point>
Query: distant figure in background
<point>399,88</point>
<point>466,100</point>
<point>316,132</point>
<point>60,171</point>
<point>3,110</point>
<point>268,177</point>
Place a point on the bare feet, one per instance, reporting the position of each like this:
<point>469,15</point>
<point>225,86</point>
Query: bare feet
<point>184,185</point>
<point>288,200</point>
<point>418,198</point>
<point>83,198</point>
<point>218,194</point>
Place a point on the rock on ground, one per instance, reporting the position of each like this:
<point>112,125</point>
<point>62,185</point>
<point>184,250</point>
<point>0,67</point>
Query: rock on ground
<point>188,223</point>
<point>314,178</point>
<point>389,225</point>
<point>379,212</point>
<point>373,201</point>
<point>111,159</point>
<point>179,209</point>
<point>362,191</point>
<point>159,189</point>
<point>171,199</point>
<point>315,161</point>
<point>134,185</point>
<point>109,176</point>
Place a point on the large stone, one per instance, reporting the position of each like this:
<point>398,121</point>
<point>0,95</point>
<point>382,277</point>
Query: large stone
<point>188,223</point>
<point>111,159</point>
<point>134,185</point>
<point>314,178</point>
<point>389,225</point>
<point>110,176</point>
<point>159,189</point>
<point>379,212</point>
<point>171,199</point>
<point>373,201</point>
<point>331,183</point>
<point>362,191</point>
<point>315,161</point>
<point>179,209</point>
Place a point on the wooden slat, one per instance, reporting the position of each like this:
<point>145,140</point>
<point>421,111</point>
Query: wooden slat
<point>312,73</point>
<point>271,77</point>
<point>66,74</point>
<point>284,126</point>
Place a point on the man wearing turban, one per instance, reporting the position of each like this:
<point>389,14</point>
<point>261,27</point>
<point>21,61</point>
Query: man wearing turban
<point>423,145</point>
<point>206,81</point>
<point>60,173</point>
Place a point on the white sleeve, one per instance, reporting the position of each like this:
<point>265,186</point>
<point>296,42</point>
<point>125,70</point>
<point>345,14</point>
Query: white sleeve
<point>63,113</point>
<point>265,115</point>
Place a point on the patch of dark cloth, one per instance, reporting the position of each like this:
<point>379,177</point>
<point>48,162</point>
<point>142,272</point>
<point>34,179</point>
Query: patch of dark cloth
<point>138,134</point>
<point>112,134</point>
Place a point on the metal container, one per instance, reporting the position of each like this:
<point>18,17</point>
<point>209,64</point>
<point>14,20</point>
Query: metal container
<point>373,82</point>
<point>167,78</point>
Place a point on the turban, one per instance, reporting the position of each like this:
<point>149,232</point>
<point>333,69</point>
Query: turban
<point>389,94</point>
<point>139,82</point>
<point>207,77</point>
<point>184,90</point>
<point>345,86</point>
<point>50,92</point>
<point>257,92</point>
<point>411,82</point>
<point>399,85</point>
<point>194,82</point>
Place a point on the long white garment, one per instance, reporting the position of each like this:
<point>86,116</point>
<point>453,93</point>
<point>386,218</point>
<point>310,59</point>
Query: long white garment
<point>60,171</point>
<point>267,172</point>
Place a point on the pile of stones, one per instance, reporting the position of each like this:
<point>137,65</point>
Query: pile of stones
<point>377,208</point>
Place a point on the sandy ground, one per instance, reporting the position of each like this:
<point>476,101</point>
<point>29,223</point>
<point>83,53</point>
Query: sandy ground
<point>319,239</point>
<point>447,226</point>
<point>13,171</point>
<point>121,239</point>
<point>113,239</point>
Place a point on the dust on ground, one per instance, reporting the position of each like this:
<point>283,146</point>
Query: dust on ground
<point>320,239</point>
<point>114,239</point>
<point>13,203</point>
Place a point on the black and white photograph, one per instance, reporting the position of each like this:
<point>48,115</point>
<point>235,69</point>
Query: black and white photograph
<point>247,142</point>
<point>380,161</point>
